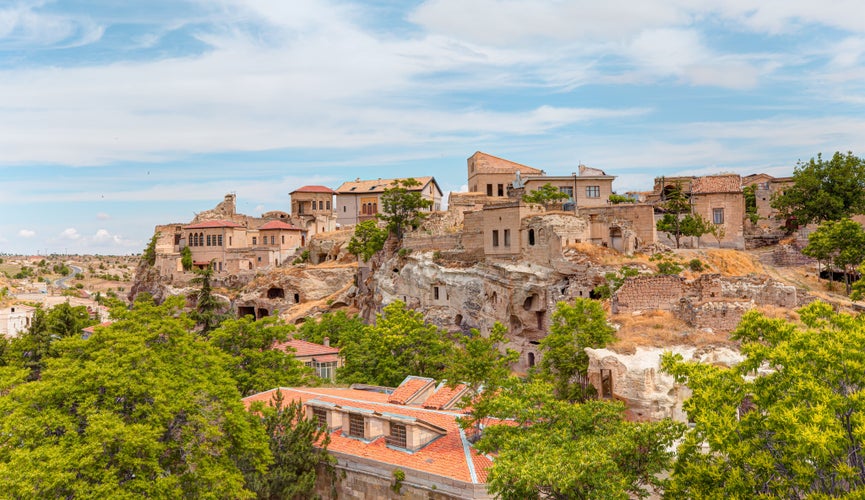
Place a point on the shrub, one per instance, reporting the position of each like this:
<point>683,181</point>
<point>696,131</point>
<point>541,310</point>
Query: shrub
<point>696,265</point>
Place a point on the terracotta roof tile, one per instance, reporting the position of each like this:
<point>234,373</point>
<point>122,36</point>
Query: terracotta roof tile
<point>444,397</point>
<point>409,388</point>
<point>211,224</point>
<point>304,348</point>
<point>378,185</point>
<point>278,224</point>
<point>731,183</point>
<point>313,189</point>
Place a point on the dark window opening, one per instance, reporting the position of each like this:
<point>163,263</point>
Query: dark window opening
<point>355,425</point>
<point>529,302</point>
<point>297,298</point>
<point>263,313</point>
<point>501,189</point>
<point>458,319</point>
<point>495,237</point>
<point>489,189</point>
<point>507,237</point>
<point>320,414</point>
<point>276,293</point>
<point>246,311</point>
<point>435,292</point>
<point>397,435</point>
<point>531,359</point>
<point>531,237</point>
<point>540,317</point>
<point>606,383</point>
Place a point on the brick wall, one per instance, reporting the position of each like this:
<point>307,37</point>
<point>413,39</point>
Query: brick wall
<point>648,293</point>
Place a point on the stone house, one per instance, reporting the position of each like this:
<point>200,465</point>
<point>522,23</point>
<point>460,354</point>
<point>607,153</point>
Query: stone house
<point>765,188</point>
<point>322,358</point>
<point>15,319</point>
<point>412,428</point>
<point>492,176</point>
<point>360,200</point>
<point>312,209</point>
<point>590,188</point>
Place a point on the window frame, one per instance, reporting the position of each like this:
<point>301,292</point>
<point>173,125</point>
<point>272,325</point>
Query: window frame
<point>593,191</point>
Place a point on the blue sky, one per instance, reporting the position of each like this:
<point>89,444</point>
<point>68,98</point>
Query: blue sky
<point>117,116</point>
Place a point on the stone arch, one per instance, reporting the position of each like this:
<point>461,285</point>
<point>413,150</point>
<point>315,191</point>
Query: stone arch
<point>275,293</point>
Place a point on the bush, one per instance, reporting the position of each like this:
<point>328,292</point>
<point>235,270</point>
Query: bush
<point>696,265</point>
<point>669,267</point>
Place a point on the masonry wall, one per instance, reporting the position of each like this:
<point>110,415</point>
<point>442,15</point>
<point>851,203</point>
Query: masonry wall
<point>733,205</point>
<point>644,293</point>
<point>641,219</point>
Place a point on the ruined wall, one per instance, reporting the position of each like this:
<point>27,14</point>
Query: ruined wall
<point>643,293</point>
<point>640,219</point>
<point>425,242</point>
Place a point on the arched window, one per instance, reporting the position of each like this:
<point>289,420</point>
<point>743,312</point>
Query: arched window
<point>189,240</point>
<point>531,359</point>
<point>363,209</point>
<point>375,208</point>
<point>201,239</point>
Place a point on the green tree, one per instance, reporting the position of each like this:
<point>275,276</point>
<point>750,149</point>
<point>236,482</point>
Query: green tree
<point>368,239</point>
<point>614,281</point>
<point>842,241</point>
<point>402,206</point>
<point>824,190</point>
<point>549,448</point>
<point>254,363</point>
<point>750,194</point>
<point>209,309</point>
<point>565,362</point>
<point>618,199</point>
<point>298,445</point>
<point>784,423</point>
<point>142,409</point>
<point>545,195</point>
<point>186,258</point>
<point>149,255</point>
<point>331,325</point>
<point>674,205</point>
<point>399,344</point>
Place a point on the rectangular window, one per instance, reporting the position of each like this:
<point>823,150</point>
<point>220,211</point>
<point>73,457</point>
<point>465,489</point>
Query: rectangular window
<point>229,241</point>
<point>718,215</point>
<point>219,240</point>
<point>606,384</point>
<point>568,190</point>
<point>273,240</point>
<point>208,240</point>
<point>593,191</point>
<point>495,237</point>
<point>327,205</point>
<point>283,239</point>
<point>325,370</point>
<point>507,237</point>
<point>254,240</point>
<point>397,435</point>
<point>489,189</point>
<point>320,414</point>
<point>501,189</point>
<point>355,425</point>
<point>435,292</point>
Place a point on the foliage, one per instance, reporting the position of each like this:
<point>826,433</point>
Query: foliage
<point>332,325</point>
<point>401,208</point>
<point>695,265</point>
<point>399,344</point>
<point>842,242</point>
<point>298,444</point>
<point>557,449</point>
<point>140,409</point>
<point>565,362</point>
<point>209,309</point>
<point>254,363</point>
<point>149,255</point>
<point>793,431</point>
<point>368,239</point>
<point>545,195</point>
<point>614,281</point>
<point>750,194</point>
<point>666,264</point>
<point>618,199</point>
<point>824,190</point>
<point>186,258</point>
<point>398,478</point>
<point>719,232</point>
<point>674,223</point>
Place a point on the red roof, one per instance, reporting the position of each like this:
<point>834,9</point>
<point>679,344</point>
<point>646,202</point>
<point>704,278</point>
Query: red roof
<point>313,189</point>
<point>91,329</point>
<point>449,456</point>
<point>409,388</point>
<point>304,348</point>
<point>278,224</point>
<point>212,223</point>
<point>444,397</point>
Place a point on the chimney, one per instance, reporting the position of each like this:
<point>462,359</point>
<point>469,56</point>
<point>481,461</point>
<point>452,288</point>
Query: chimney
<point>326,341</point>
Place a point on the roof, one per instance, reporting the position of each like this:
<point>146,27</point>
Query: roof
<point>445,397</point>
<point>304,348</point>
<point>490,164</point>
<point>211,224</point>
<point>379,185</point>
<point>727,183</point>
<point>278,224</point>
<point>450,456</point>
<point>313,189</point>
<point>91,329</point>
<point>409,389</point>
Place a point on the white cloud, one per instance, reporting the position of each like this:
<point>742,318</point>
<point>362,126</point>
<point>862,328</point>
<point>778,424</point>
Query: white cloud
<point>70,234</point>
<point>104,238</point>
<point>23,25</point>
<point>26,233</point>
<point>102,216</point>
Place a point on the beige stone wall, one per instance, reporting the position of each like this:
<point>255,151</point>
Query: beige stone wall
<point>579,186</point>
<point>311,203</point>
<point>646,293</point>
<point>501,228</point>
<point>638,218</point>
<point>733,205</point>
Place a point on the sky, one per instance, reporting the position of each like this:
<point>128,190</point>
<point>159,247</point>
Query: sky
<point>118,116</point>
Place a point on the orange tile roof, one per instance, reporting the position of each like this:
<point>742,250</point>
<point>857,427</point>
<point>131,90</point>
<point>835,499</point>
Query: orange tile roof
<point>313,189</point>
<point>729,183</point>
<point>211,224</point>
<point>91,329</point>
<point>444,397</point>
<point>379,185</point>
<point>450,456</point>
<point>486,163</point>
<point>304,348</point>
<point>409,388</point>
<point>278,224</point>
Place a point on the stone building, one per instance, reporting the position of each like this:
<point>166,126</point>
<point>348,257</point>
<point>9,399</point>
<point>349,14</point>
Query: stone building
<point>591,187</point>
<point>322,358</point>
<point>15,319</point>
<point>412,428</point>
<point>767,187</point>
<point>492,176</point>
<point>312,209</point>
<point>360,200</point>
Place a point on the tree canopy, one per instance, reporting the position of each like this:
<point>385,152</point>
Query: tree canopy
<point>678,219</point>
<point>330,325</point>
<point>787,422</point>
<point>840,242</point>
<point>367,240</point>
<point>545,195</point>
<point>402,207</point>
<point>824,190</point>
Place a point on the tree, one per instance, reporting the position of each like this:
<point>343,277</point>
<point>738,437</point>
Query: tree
<point>399,344</point>
<point>618,199</point>
<point>186,258</point>
<point>331,325</point>
<point>786,422</point>
<point>141,409</point>
<point>614,281</point>
<point>298,445</point>
<point>254,363</point>
<point>750,194</point>
<point>719,232</point>
<point>401,206</point>
<point>824,190</point>
<point>149,255</point>
<point>674,223</point>
<point>545,195</point>
<point>209,309</point>
<point>368,239</point>
<point>842,241</point>
<point>565,361</point>
<point>549,448</point>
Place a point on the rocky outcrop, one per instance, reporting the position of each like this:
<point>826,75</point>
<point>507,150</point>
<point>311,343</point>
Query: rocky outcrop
<point>638,381</point>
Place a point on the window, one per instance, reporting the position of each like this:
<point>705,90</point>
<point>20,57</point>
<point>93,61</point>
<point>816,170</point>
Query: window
<point>219,240</point>
<point>495,237</point>
<point>254,240</point>
<point>208,240</point>
<point>531,359</point>
<point>229,241</point>
<point>606,384</point>
<point>568,190</point>
<point>501,189</point>
<point>325,370</point>
<point>531,237</point>
<point>191,241</point>
<point>283,239</point>
<point>327,204</point>
<point>489,189</point>
<point>507,236</point>
<point>435,292</point>
<point>320,414</point>
<point>397,435</point>
<point>718,215</point>
<point>355,425</point>
<point>273,240</point>
<point>593,191</point>
<point>321,205</point>
<point>343,209</point>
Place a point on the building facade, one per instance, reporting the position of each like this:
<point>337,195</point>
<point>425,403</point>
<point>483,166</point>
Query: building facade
<point>360,200</point>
